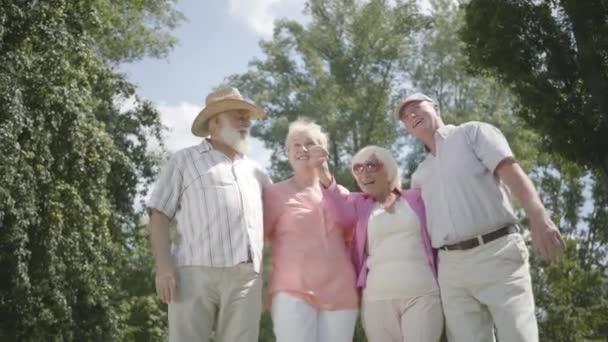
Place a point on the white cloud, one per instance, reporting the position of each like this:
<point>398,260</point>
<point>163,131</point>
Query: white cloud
<point>178,119</point>
<point>125,104</point>
<point>261,14</point>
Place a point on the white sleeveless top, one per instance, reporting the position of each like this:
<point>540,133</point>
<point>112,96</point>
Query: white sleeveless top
<point>398,266</point>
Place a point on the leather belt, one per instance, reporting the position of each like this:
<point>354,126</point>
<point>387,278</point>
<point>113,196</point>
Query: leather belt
<point>481,239</point>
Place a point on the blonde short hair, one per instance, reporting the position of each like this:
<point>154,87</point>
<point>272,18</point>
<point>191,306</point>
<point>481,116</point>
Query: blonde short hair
<point>302,125</point>
<point>385,157</point>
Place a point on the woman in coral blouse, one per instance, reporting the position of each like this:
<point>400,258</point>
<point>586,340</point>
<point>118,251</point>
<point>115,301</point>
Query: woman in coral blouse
<point>312,284</point>
<point>393,257</point>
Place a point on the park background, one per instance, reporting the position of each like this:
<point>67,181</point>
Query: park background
<point>96,94</point>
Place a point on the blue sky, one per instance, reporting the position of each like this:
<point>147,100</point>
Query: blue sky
<point>218,39</point>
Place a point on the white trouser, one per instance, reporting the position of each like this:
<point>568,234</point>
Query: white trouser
<point>488,286</point>
<point>418,319</point>
<point>295,320</point>
<point>232,296</point>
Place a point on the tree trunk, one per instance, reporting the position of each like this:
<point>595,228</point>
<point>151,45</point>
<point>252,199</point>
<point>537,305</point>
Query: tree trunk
<point>590,61</point>
<point>604,167</point>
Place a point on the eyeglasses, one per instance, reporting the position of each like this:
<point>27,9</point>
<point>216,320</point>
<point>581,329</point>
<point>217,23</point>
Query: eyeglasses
<point>370,166</point>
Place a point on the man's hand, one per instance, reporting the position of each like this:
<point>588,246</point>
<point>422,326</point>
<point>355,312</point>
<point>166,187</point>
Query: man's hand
<point>546,239</point>
<point>166,275</point>
<point>166,283</point>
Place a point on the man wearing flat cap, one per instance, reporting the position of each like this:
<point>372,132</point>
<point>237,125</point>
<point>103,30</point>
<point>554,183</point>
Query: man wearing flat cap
<point>211,276</point>
<point>484,273</point>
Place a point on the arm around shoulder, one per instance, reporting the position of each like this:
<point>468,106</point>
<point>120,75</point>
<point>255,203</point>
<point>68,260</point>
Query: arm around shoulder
<point>340,204</point>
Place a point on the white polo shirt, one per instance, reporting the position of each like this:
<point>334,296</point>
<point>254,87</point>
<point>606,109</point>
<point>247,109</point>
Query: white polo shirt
<point>463,197</point>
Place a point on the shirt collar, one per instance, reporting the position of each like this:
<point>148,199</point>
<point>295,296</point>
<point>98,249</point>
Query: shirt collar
<point>444,131</point>
<point>204,146</point>
<point>370,197</point>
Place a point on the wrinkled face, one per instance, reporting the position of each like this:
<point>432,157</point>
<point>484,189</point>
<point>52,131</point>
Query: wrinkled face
<point>233,129</point>
<point>298,148</point>
<point>371,176</point>
<point>420,118</point>
<point>237,120</point>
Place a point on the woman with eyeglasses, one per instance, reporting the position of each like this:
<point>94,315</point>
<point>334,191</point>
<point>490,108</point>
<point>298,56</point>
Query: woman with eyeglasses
<point>392,253</point>
<point>312,283</point>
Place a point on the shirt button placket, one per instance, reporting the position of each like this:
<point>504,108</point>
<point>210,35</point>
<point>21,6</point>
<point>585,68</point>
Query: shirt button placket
<point>443,190</point>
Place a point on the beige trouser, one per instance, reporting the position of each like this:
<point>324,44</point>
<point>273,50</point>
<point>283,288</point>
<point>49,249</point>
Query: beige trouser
<point>488,286</point>
<point>225,300</point>
<point>418,319</point>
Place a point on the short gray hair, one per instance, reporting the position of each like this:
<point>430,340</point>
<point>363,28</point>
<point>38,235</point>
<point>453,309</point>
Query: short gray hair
<point>303,125</point>
<point>385,157</point>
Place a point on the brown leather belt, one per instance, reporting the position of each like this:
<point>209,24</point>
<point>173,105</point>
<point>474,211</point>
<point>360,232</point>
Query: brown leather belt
<point>481,239</point>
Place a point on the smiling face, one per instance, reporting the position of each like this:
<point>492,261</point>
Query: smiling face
<point>420,118</point>
<point>372,176</point>
<point>298,148</point>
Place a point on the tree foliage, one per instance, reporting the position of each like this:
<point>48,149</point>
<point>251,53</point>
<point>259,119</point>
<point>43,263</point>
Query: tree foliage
<point>553,54</point>
<point>73,259</point>
<point>439,68</point>
<point>73,163</point>
<point>339,70</point>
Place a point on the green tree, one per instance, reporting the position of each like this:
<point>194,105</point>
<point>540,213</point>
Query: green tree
<point>439,69</point>
<point>553,54</point>
<point>142,316</point>
<point>572,294</point>
<point>571,300</point>
<point>73,163</point>
<point>125,31</point>
<point>339,70</point>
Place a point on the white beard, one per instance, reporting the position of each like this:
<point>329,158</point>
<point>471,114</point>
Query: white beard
<point>233,138</point>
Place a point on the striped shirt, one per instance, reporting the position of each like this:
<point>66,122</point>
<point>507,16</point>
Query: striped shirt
<point>217,203</point>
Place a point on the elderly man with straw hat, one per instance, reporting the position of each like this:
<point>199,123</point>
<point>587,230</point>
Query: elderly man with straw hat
<point>211,277</point>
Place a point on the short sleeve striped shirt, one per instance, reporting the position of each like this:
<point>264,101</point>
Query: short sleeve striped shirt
<point>217,203</point>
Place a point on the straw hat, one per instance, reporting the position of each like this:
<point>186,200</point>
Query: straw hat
<point>220,101</point>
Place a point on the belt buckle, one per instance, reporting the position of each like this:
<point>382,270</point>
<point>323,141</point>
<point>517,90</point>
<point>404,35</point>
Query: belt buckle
<point>454,247</point>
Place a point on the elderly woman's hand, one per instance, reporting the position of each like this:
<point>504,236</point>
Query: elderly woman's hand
<point>317,156</point>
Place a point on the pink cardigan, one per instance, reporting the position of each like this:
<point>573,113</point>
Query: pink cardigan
<point>353,209</point>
